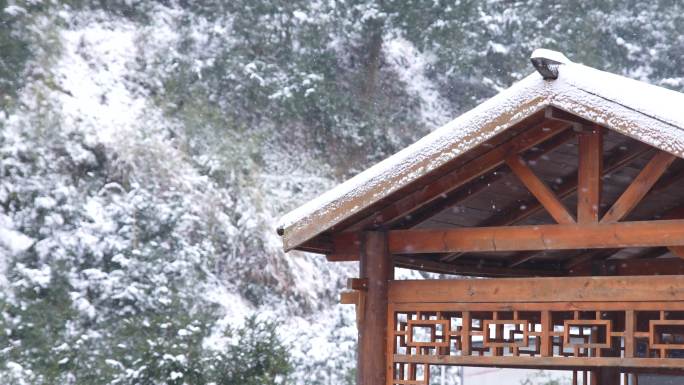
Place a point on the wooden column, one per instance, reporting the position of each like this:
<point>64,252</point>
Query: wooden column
<point>590,170</point>
<point>375,266</point>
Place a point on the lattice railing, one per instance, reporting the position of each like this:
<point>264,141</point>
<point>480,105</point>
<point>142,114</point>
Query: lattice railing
<point>628,334</point>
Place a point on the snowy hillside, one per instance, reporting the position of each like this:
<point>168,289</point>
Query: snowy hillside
<point>148,148</point>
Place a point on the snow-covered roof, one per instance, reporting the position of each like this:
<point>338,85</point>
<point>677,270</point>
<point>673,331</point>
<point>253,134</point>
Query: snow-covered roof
<point>650,114</point>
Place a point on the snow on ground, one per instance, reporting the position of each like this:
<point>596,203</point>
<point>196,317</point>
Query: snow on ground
<point>92,74</point>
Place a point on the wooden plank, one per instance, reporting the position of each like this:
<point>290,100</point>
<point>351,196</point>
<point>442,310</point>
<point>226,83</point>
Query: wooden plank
<point>538,306</point>
<point>490,160</point>
<point>540,237</point>
<point>517,290</point>
<point>639,187</point>
<point>417,263</point>
<point>543,362</point>
<point>540,190</point>
<point>589,171</point>
<point>376,267</point>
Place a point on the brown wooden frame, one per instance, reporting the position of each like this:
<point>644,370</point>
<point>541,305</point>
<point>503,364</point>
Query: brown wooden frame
<point>434,301</point>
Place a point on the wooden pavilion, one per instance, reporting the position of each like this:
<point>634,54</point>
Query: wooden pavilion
<point>565,189</point>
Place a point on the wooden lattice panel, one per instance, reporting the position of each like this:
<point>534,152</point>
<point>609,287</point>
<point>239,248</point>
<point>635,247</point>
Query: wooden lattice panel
<point>576,334</point>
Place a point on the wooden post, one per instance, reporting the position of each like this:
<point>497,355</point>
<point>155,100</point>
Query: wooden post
<point>630,327</point>
<point>375,266</point>
<point>589,175</point>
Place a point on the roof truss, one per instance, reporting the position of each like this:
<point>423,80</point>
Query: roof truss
<point>437,249</point>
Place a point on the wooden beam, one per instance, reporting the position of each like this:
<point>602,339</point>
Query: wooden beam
<point>616,161</point>
<point>589,172</point>
<point>540,290</point>
<point>481,183</point>
<point>639,187</point>
<point>394,212</point>
<point>541,237</point>
<point>676,174</point>
<point>422,264</point>
<point>540,190</point>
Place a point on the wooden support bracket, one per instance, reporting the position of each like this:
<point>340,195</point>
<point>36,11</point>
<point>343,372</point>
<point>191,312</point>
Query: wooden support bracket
<point>357,284</point>
<point>356,295</point>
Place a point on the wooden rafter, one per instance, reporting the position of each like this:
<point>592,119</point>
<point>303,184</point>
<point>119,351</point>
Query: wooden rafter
<point>675,175</point>
<point>541,237</point>
<point>638,189</point>
<point>540,190</point>
<point>480,183</point>
<point>589,172</point>
<point>394,212</point>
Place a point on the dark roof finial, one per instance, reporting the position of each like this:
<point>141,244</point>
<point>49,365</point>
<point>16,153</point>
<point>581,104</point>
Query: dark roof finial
<point>546,62</point>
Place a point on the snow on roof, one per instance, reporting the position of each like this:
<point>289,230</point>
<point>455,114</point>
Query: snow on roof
<point>645,112</point>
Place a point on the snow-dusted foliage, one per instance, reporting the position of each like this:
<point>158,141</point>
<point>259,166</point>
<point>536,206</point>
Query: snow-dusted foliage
<point>147,148</point>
